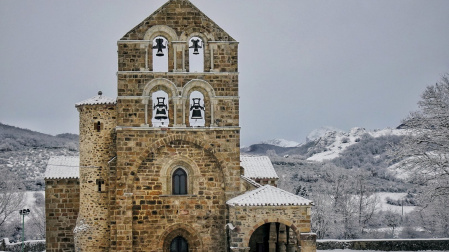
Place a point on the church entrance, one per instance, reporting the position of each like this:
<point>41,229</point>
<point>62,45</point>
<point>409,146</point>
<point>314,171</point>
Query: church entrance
<point>273,237</point>
<point>179,244</point>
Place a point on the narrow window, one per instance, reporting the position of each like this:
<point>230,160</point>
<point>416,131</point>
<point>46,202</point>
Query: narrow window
<point>179,182</point>
<point>160,109</point>
<point>160,54</point>
<point>97,126</point>
<point>100,185</point>
<point>196,55</point>
<point>196,116</point>
<point>179,244</point>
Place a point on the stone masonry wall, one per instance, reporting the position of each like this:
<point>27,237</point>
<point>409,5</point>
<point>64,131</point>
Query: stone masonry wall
<point>248,218</point>
<point>61,211</point>
<point>131,110</point>
<point>144,213</point>
<point>97,147</point>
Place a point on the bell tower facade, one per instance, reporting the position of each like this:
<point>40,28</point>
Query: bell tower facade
<point>177,135</point>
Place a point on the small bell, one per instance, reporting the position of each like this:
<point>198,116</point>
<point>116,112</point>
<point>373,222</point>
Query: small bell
<point>159,46</point>
<point>195,46</point>
<point>161,109</point>
<point>196,109</point>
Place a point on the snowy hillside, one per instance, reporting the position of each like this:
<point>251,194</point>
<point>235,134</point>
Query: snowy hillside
<point>333,143</point>
<point>280,142</point>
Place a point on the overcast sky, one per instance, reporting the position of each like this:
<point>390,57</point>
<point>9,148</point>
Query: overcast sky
<point>303,64</point>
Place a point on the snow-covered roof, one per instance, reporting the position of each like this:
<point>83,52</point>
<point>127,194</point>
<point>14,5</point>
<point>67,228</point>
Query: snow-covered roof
<point>251,182</point>
<point>258,167</point>
<point>269,196</point>
<point>96,100</point>
<point>62,167</point>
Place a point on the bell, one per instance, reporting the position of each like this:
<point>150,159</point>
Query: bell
<point>195,46</point>
<point>159,46</point>
<point>161,109</point>
<point>196,109</point>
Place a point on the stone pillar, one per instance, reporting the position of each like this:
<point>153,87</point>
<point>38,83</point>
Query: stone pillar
<point>272,238</point>
<point>282,238</point>
<point>308,242</point>
<point>292,242</point>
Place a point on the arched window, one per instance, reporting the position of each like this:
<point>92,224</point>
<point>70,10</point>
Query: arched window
<point>160,54</point>
<point>160,109</point>
<point>196,55</point>
<point>196,116</point>
<point>179,244</point>
<point>179,182</point>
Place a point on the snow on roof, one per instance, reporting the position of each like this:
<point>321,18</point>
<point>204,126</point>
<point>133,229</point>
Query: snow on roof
<point>269,196</point>
<point>96,100</point>
<point>258,167</point>
<point>251,182</point>
<point>62,167</point>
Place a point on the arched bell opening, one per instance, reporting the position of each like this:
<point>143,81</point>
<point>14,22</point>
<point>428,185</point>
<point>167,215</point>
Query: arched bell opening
<point>273,237</point>
<point>197,109</point>
<point>196,55</point>
<point>160,109</point>
<point>179,244</point>
<point>160,54</point>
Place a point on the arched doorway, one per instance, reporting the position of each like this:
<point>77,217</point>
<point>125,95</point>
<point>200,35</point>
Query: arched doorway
<point>179,244</point>
<point>273,237</point>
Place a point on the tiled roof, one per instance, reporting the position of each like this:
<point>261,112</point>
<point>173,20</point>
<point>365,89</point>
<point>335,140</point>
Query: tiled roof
<point>258,167</point>
<point>251,182</point>
<point>62,167</point>
<point>96,100</point>
<point>269,196</point>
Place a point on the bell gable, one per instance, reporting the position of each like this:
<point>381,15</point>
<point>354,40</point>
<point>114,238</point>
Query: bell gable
<point>180,19</point>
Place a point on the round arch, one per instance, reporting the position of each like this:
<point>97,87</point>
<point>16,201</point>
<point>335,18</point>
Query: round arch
<point>208,147</point>
<point>184,230</point>
<point>209,100</point>
<point>193,31</point>
<point>164,84</point>
<point>198,84</point>
<point>161,30</point>
<point>169,167</point>
<point>249,233</point>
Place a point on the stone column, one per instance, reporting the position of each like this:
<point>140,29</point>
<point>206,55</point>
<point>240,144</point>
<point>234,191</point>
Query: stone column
<point>282,238</point>
<point>308,242</point>
<point>272,238</point>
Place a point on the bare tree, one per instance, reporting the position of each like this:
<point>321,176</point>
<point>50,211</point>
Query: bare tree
<point>11,195</point>
<point>426,150</point>
<point>425,154</point>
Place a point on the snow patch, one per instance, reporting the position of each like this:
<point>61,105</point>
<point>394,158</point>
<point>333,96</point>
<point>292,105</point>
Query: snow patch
<point>281,142</point>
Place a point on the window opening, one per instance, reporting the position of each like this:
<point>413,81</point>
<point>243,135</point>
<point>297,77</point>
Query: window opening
<point>196,117</point>
<point>101,186</point>
<point>98,126</point>
<point>196,55</point>
<point>160,109</point>
<point>179,244</point>
<point>160,54</point>
<point>179,182</point>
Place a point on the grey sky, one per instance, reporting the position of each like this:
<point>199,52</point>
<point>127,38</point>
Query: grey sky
<point>303,64</point>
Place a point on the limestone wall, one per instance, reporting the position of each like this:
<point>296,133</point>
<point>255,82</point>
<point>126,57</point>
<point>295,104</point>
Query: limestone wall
<point>61,211</point>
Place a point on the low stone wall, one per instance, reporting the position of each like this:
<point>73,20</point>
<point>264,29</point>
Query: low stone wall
<point>36,245</point>
<point>385,245</point>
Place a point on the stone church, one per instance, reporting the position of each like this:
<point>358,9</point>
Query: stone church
<point>160,167</point>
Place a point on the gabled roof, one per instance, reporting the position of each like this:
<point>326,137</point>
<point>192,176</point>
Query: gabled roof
<point>97,100</point>
<point>62,167</point>
<point>258,167</point>
<point>269,196</point>
<point>164,16</point>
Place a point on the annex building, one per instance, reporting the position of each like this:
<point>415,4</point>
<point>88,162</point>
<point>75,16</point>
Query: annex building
<point>160,167</point>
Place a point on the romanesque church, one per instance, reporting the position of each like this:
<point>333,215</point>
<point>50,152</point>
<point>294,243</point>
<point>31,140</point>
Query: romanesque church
<point>160,167</point>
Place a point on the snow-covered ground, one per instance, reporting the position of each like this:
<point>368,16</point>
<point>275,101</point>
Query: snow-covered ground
<point>338,141</point>
<point>281,142</point>
<point>395,196</point>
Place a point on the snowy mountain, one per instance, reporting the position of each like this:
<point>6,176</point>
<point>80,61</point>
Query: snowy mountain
<point>318,133</point>
<point>280,142</point>
<point>333,143</point>
<point>26,152</point>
